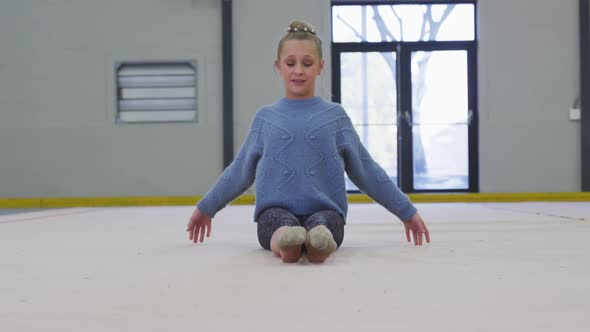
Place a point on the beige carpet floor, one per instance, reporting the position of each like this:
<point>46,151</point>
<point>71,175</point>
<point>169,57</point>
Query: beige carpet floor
<point>490,267</point>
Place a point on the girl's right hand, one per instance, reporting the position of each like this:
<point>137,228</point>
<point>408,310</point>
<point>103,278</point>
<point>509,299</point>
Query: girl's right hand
<point>198,225</point>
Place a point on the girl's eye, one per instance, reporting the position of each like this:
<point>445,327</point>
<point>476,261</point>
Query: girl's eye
<point>309,64</point>
<point>290,64</point>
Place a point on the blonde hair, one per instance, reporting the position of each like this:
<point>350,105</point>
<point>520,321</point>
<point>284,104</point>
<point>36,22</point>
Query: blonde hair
<point>300,30</point>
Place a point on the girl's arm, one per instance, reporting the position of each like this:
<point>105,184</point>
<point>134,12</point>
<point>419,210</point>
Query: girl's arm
<point>371,178</point>
<point>236,178</point>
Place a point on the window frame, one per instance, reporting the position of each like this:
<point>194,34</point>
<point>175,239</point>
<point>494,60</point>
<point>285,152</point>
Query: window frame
<point>404,50</point>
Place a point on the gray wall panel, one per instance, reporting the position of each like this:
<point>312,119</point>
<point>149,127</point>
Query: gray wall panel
<point>57,130</point>
<point>528,72</point>
<point>58,136</point>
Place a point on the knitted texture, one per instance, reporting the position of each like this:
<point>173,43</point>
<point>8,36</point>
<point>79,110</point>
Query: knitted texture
<point>297,152</point>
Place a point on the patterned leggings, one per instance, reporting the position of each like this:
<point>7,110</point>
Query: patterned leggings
<point>271,219</point>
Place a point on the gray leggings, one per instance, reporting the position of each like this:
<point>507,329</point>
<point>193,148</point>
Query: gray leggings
<point>271,219</point>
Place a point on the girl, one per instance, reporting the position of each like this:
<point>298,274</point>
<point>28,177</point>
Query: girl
<point>297,151</point>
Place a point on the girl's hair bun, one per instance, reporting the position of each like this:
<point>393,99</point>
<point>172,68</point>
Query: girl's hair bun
<point>298,26</point>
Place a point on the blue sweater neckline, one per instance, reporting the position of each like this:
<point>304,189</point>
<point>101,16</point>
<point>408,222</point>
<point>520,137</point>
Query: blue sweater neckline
<point>300,102</point>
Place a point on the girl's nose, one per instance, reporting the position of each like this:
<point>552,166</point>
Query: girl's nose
<point>298,69</point>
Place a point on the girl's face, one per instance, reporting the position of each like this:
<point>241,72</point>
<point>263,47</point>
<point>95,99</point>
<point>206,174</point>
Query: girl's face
<point>299,64</point>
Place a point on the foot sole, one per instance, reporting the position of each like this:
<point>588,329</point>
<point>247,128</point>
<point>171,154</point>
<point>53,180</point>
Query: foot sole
<point>292,237</point>
<point>321,239</point>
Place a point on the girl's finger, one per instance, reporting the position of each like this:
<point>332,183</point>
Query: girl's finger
<point>197,234</point>
<point>202,230</point>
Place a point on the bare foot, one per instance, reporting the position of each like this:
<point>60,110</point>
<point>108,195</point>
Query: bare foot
<point>288,242</point>
<point>319,244</point>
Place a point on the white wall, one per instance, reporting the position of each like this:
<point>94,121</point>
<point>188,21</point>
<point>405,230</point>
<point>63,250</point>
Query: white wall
<point>57,131</point>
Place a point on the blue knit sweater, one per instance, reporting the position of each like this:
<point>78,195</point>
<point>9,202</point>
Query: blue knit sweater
<point>297,152</point>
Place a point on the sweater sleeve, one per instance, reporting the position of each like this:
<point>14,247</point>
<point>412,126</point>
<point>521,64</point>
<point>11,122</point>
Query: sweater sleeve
<point>371,178</point>
<point>237,177</point>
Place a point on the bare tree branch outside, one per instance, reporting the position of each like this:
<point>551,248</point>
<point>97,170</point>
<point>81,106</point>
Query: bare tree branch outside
<point>428,31</point>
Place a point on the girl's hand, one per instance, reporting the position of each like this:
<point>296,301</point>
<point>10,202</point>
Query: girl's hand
<point>198,225</point>
<point>416,226</point>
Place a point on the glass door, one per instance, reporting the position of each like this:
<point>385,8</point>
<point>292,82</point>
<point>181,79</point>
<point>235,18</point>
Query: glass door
<point>369,95</point>
<point>414,107</point>
<point>439,119</point>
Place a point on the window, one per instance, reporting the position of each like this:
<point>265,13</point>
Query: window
<point>406,74</point>
<point>403,22</point>
<point>156,92</point>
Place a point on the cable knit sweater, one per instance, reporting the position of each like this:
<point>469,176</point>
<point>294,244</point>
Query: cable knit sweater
<point>297,152</point>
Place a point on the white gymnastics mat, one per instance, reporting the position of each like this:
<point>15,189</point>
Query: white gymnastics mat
<point>490,267</point>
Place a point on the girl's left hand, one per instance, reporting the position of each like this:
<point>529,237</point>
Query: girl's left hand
<point>416,226</point>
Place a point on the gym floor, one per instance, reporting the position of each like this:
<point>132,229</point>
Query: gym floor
<point>490,267</point>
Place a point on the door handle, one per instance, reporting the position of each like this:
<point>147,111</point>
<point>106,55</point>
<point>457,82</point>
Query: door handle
<point>469,117</point>
<point>405,116</point>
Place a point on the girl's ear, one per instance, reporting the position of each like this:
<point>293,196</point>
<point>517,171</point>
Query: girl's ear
<point>322,63</point>
<point>277,64</point>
